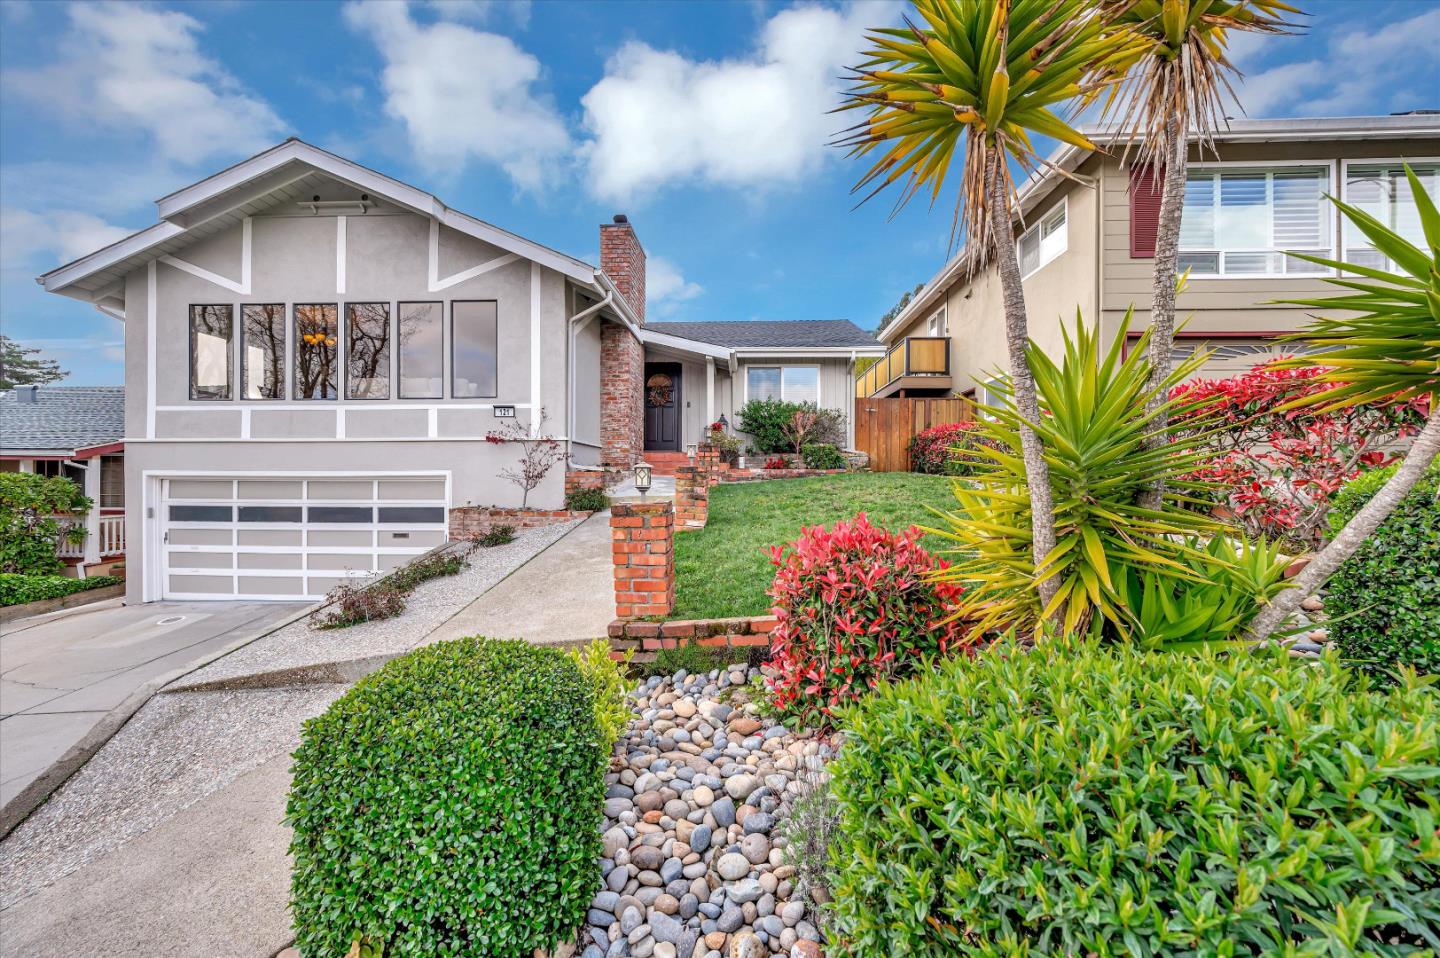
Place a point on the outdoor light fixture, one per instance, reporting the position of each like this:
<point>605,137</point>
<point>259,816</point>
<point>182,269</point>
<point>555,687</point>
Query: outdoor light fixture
<point>724,423</point>
<point>691,448</point>
<point>642,478</point>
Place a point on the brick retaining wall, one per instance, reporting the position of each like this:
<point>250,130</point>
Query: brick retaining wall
<point>469,521</point>
<point>644,639</point>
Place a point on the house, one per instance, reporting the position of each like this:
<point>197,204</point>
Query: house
<point>315,353</point>
<point>77,432</point>
<point>1086,240</point>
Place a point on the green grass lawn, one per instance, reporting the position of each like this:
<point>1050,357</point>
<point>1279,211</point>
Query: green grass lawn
<point>724,570</point>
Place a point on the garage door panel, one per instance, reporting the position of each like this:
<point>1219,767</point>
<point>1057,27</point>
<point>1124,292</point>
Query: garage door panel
<point>430,489</point>
<point>340,561</point>
<point>398,539</point>
<point>270,560</point>
<point>270,489</point>
<point>201,489</point>
<point>270,537</point>
<point>342,538</point>
<point>189,559</point>
<point>340,489</point>
<point>208,513</point>
<point>201,584</point>
<point>272,585</point>
<point>201,537</point>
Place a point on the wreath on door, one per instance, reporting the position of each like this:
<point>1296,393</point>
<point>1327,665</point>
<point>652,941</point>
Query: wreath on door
<point>660,389</point>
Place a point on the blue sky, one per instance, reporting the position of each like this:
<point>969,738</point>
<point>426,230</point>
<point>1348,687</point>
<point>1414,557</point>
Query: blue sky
<point>704,121</point>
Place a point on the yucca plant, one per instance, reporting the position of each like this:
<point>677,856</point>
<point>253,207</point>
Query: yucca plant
<point>1093,423</point>
<point>968,85</point>
<point>1175,77</point>
<point>1387,346</point>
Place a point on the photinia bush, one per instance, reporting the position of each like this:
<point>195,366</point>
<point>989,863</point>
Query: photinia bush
<point>1279,469</point>
<point>855,608</point>
<point>946,450</point>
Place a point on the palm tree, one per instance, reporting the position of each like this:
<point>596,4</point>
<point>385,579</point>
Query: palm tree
<point>971,86</point>
<point>1174,80</point>
<point>1388,350</point>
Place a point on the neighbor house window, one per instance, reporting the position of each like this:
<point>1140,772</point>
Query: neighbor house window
<point>212,329</point>
<point>790,383</point>
<point>939,323</point>
<point>1383,191</point>
<point>262,351</point>
<point>1042,242</point>
<point>317,344</point>
<point>422,351</point>
<point>367,350</point>
<point>1241,223</point>
<point>472,337</point>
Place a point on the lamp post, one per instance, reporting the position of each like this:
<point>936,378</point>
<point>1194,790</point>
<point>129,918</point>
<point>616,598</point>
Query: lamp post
<point>642,477</point>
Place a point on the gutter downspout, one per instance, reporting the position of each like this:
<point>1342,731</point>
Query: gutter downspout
<point>575,320</point>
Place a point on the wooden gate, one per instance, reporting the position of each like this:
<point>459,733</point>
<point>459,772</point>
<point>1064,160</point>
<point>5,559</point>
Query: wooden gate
<point>884,427</point>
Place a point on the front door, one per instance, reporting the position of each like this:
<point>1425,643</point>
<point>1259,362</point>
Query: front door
<point>662,406</point>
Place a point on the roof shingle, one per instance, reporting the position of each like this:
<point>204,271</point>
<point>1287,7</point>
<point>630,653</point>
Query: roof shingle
<point>63,418</point>
<point>780,334</point>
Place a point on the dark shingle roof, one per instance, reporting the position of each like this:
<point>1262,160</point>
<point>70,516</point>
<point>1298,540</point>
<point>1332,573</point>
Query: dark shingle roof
<point>760,334</point>
<point>64,418</point>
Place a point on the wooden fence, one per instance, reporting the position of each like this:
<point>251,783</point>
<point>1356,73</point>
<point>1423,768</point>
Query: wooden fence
<point>884,427</point>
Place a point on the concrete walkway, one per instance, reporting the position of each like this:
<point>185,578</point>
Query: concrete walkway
<point>60,676</point>
<point>564,594</point>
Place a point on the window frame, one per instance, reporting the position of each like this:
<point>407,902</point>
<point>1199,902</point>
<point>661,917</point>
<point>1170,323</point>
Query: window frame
<point>229,352</point>
<point>1330,169</point>
<point>1037,230</point>
<point>286,324</point>
<point>455,352</point>
<point>941,328</point>
<point>782,367</point>
<point>390,359</point>
<point>398,348</point>
<point>1342,250</point>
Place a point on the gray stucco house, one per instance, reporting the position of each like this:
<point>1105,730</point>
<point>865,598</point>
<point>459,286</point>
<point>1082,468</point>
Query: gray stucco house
<point>315,352</point>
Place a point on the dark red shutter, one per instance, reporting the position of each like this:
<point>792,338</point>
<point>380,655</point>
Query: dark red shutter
<point>1144,210</point>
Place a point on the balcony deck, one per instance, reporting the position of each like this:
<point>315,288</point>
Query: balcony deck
<point>916,363</point>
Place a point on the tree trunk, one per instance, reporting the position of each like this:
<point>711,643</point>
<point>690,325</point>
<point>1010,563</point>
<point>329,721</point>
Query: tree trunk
<point>1037,473</point>
<point>1424,450</point>
<point>1162,293</point>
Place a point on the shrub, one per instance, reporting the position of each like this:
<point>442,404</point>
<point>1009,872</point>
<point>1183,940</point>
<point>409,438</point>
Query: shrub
<point>18,589</point>
<point>770,423</point>
<point>726,444</point>
<point>29,529</point>
<point>807,834</point>
<point>690,659</point>
<point>1085,800</point>
<point>856,607</point>
<point>949,449</point>
<point>494,536</point>
<point>822,456</point>
<point>587,500</point>
<point>1390,587</point>
<point>449,804</point>
<point>607,681</point>
<point>347,605</point>
<point>777,462</point>
<point>433,566</point>
<point>1276,470</point>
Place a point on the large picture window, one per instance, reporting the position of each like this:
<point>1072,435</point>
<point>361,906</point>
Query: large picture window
<point>367,350</point>
<point>472,337</point>
<point>422,351</point>
<point>262,350</point>
<point>317,344</point>
<point>212,330</point>
<point>1383,191</point>
<point>1242,222</point>
<point>1043,242</point>
<point>789,383</point>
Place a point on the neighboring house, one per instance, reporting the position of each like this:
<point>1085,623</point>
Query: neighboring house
<point>315,353</point>
<point>77,432</point>
<point>1087,241</point>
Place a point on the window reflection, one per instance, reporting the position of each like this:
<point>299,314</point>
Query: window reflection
<point>316,348</point>
<point>212,328</point>
<point>422,359</point>
<point>472,337</point>
<point>262,335</point>
<point>367,351</point>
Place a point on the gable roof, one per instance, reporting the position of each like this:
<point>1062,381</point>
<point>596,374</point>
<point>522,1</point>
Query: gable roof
<point>62,419</point>
<point>773,334</point>
<point>281,174</point>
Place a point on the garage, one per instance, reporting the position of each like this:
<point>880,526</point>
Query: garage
<point>292,537</point>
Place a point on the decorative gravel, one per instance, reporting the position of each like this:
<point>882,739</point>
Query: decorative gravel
<point>297,644</point>
<point>692,860</point>
<point>176,750</point>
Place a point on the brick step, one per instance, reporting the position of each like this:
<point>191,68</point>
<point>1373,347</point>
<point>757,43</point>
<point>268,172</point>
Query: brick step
<point>664,463</point>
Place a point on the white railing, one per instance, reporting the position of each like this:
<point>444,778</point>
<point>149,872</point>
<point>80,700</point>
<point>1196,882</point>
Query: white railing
<point>66,549</point>
<point>112,535</point>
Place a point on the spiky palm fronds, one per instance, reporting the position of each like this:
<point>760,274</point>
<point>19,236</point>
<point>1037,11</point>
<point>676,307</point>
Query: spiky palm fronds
<point>987,71</point>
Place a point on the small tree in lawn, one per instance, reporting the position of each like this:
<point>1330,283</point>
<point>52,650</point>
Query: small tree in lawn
<point>539,454</point>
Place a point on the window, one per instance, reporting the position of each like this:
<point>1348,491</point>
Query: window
<point>212,329</point>
<point>112,482</point>
<point>1043,242</point>
<point>422,351</point>
<point>790,383</point>
<point>262,338</point>
<point>1241,222</point>
<point>1383,191</point>
<point>939,323</point>
<point>367,351</point>
<point>472,337</point>
<point>316,359</point>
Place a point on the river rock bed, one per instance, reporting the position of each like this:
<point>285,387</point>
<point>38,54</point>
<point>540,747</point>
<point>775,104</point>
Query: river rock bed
<point>693,865</point>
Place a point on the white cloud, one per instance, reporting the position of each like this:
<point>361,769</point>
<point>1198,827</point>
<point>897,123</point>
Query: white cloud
<point>658,117</point>
<point>62,235</point>
<point>482,11</point>
<point>137,68</point>
<point>464,94</point>
<point>664,282</point>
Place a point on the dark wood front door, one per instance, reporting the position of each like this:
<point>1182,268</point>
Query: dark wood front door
<point>662,406</point>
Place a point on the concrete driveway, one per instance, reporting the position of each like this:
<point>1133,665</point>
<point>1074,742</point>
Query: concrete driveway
<point>62,675</point>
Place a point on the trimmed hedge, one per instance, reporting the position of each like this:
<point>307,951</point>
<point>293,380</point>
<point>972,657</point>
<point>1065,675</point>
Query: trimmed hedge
<point>450,804</point>
<point>18,589</point>
<point>1087,800</point>
<point>822,455</point>
<point>1392,582</point>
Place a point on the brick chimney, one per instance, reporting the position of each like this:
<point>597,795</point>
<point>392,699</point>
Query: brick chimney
<point>623,260</point>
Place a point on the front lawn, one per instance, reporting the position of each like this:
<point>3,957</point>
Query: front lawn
<point>724,569</point>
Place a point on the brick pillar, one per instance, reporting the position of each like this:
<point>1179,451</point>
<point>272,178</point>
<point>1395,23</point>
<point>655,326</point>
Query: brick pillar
<point>642,548</point>
<point>622,386</point>
<point>707,459</point>
<point>692,497</point>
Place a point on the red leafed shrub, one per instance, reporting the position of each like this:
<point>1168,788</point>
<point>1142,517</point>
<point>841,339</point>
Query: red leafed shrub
<point>946,450</point>
<point>855,608</point>
<point>1276,471</point>
<point>777,462</point>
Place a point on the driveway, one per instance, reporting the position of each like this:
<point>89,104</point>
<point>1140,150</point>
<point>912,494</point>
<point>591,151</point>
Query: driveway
<point>60,676</point>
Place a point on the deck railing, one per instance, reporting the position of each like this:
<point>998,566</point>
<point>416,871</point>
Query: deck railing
<point>912,356</point>
<point>111,533</point>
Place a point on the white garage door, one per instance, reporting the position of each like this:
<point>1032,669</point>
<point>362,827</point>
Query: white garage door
<point>288,538</point>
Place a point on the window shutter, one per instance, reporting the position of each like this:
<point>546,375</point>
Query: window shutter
<point>1144,211</point>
